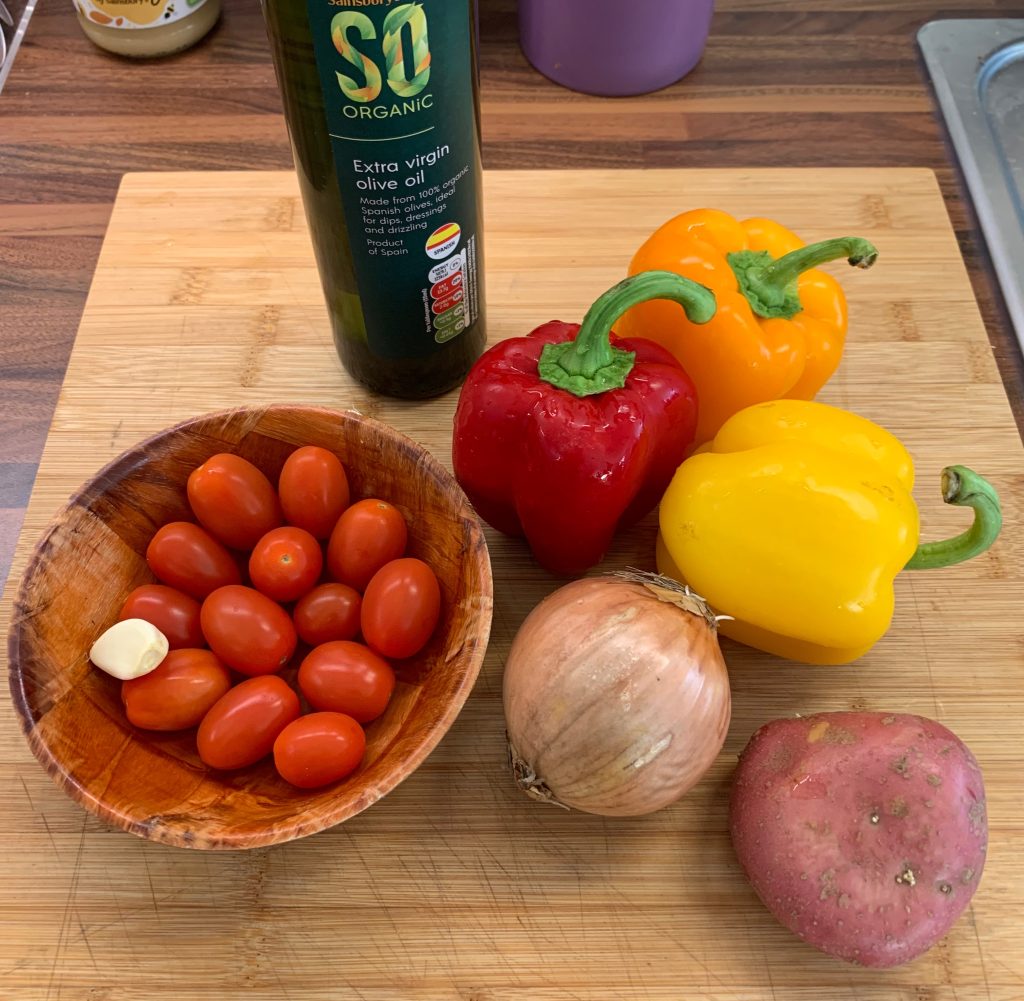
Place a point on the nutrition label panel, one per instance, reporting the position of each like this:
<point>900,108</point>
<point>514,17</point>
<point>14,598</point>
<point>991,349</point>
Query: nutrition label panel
<point>450,300</point>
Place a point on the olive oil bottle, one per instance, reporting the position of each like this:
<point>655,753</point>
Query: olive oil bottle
<point>381,99</point>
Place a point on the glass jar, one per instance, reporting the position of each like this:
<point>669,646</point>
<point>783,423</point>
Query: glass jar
<point>146,28</point>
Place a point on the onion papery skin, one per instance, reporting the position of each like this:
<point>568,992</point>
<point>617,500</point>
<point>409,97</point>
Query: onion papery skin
<point>616,696</point>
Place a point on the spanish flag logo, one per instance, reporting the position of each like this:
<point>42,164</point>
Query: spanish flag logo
<point>443,240</point>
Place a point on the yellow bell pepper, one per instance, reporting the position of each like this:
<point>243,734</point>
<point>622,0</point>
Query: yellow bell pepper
<point>795,521</point>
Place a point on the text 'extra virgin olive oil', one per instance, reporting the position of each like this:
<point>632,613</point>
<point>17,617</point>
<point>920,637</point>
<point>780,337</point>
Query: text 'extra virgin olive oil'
<point>382,103</point>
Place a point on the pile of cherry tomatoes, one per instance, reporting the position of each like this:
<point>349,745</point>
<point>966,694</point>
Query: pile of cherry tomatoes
<point>320,570</point>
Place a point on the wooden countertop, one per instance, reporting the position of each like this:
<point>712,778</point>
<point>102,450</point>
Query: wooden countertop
<point>813,84</point>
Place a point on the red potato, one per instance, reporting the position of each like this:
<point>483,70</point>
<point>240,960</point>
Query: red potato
<point>864,833</point>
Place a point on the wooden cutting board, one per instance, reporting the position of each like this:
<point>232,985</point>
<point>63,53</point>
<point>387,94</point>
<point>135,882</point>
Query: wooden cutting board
<point>456,887</point>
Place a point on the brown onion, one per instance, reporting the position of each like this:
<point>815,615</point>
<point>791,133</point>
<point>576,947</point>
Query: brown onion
<point>616,695</point>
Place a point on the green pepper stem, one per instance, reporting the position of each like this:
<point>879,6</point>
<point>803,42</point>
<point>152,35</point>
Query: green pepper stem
<point>965,488</point>
<point>770,285</point>
<point>590,364</point>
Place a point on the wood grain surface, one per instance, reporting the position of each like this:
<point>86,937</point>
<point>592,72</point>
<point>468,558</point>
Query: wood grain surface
<point>804,83</point>
<point>456,887</point>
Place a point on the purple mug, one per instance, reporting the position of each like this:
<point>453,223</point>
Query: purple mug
<point>612,48</point>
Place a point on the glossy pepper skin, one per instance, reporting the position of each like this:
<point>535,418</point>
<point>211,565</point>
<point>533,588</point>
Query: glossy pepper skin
<point>795,521</point>
<point>781,324</point>
<point>568,433</point>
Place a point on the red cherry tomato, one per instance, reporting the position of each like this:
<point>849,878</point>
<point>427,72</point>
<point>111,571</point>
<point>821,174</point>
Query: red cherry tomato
<point>318,749</point>
<point>328,612</point>
<point>178,693</point>
<point>369,534</point>
<point>233,500</point>
<point>314,490</point>
<point>174,613</point>
<point>401,607</point>
<point>286,563</point>
<point>243,724</point>
<point>247,630</point>
<point>187,557</point>
<point>346,677</point>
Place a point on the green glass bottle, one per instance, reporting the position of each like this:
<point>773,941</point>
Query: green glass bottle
<point>381,99</point>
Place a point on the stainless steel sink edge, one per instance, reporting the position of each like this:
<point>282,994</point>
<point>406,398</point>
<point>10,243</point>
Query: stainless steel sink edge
<point>963,57</point>
<point>11,44</point>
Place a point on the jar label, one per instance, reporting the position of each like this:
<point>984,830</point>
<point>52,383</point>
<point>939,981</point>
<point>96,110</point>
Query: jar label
<point>397,85</point>
<point>136,13</point>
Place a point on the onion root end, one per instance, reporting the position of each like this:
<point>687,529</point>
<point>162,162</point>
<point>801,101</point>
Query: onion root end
<point>529,781</point>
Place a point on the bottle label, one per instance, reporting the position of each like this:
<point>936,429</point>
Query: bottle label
<point>136,13</point>
<point>398,96</point>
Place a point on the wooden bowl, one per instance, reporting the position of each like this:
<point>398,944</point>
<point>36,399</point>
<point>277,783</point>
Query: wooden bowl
<point>93,555</point>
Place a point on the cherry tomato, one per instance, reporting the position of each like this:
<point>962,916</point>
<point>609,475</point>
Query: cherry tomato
<point>369,534</point>
<point>346,677</point>
<point>174,613</point>
<point>243,724</point>
<point>247,630</point>
<point>233,500</point>
<point>178,693</point>
<point>328,612</point>
<point>400,609</point>
<point>314,490</point>
<point>286,563</point>
<point>187,557</point>
<point>318,749</point>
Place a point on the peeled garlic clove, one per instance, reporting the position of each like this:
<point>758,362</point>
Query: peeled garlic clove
<point>129,649</point>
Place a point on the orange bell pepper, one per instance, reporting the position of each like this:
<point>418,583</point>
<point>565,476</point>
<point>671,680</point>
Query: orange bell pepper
<point>780,326</point>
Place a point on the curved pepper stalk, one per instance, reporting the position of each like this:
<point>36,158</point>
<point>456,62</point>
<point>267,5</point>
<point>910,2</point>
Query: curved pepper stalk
<point>769,286</point>
<point>964,488</point>
<point>591,364</point>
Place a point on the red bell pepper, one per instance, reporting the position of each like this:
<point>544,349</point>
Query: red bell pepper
<point>571,432</point>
